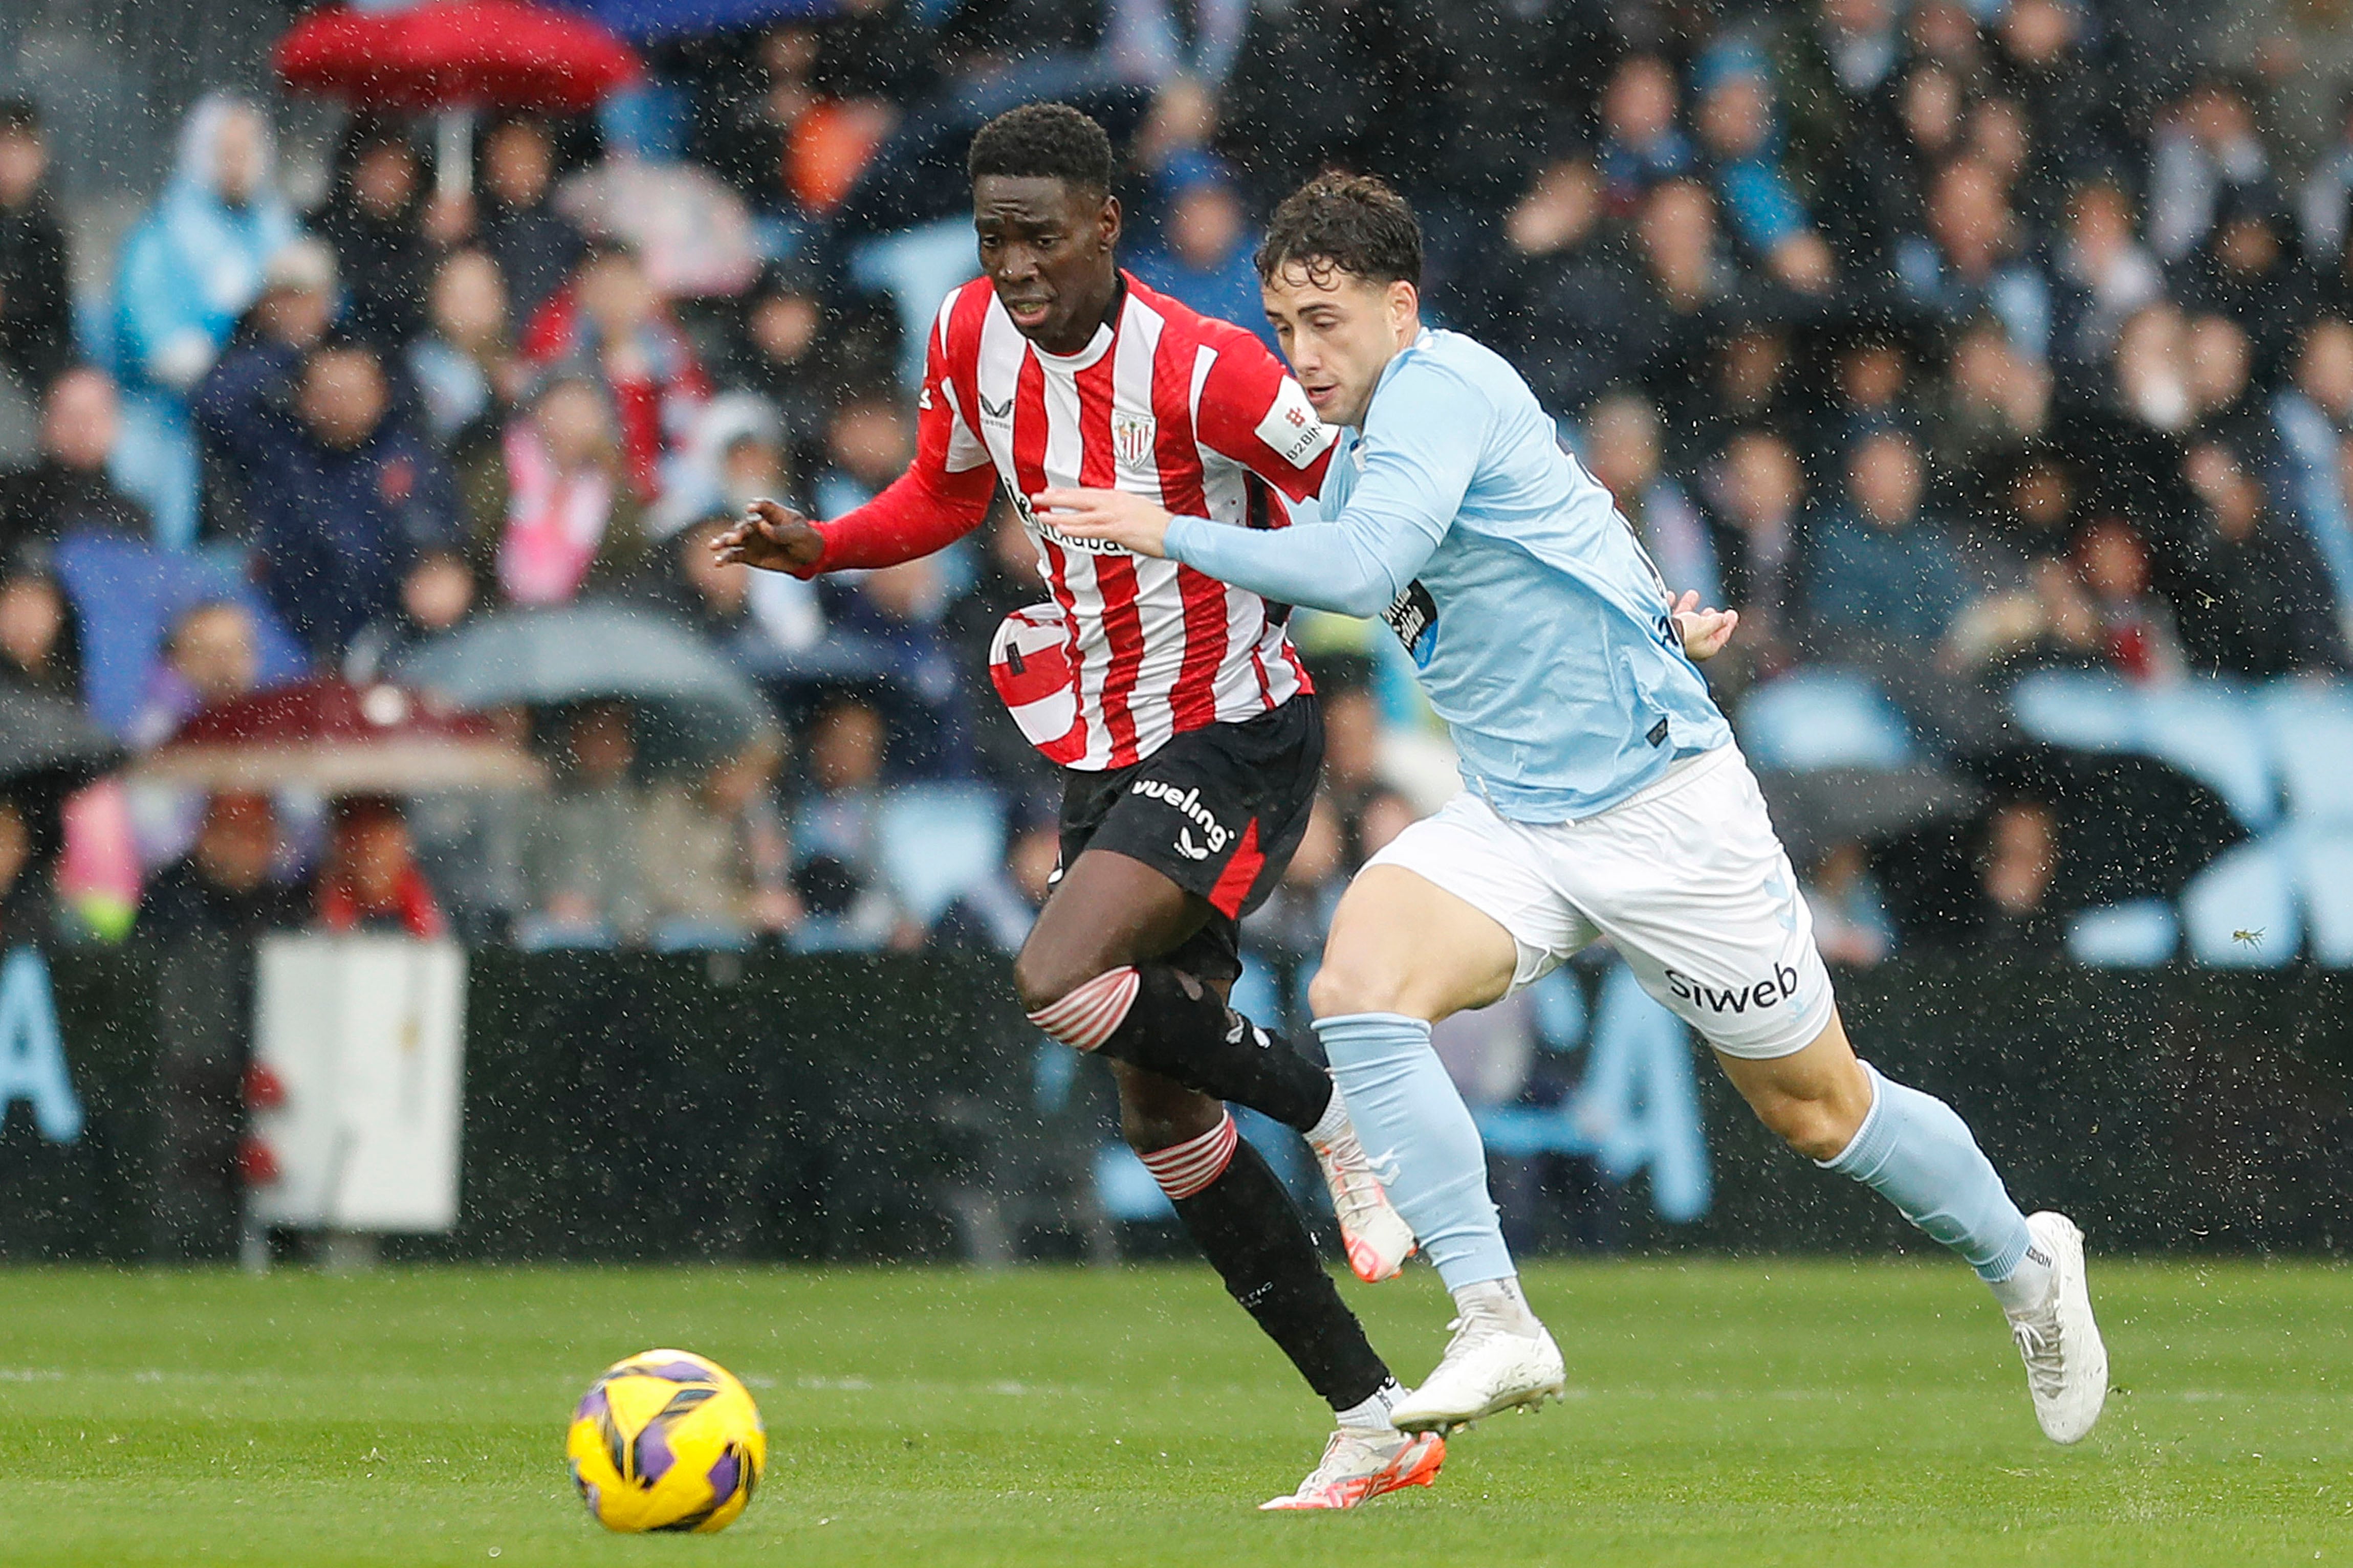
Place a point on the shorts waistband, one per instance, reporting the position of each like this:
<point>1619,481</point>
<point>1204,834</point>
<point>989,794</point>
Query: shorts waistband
<point>1679,773</point>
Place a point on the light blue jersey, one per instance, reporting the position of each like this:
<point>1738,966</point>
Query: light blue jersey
<point>1541,632</point>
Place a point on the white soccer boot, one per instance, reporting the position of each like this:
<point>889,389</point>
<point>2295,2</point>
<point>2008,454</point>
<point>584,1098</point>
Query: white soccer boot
<point>1375,1236</point>
<point>2066,1365</point>
<point>1360,1463</point>
<point>1493,1363</point>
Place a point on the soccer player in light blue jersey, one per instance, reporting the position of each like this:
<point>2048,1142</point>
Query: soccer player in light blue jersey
<point>1603,796</point>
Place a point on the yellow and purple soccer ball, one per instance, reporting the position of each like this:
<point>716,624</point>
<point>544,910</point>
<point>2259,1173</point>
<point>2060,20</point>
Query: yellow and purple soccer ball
<point>666,1440</point>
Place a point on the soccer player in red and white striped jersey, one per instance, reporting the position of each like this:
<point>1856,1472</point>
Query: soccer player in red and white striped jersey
<point>1187,726</point>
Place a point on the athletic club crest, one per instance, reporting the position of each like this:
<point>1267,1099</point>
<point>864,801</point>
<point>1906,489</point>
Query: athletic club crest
<point>1132,438</point>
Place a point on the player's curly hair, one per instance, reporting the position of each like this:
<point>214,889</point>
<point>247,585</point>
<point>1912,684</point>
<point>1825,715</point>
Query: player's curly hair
<point>1347,223</point>
<point>1047,140</point>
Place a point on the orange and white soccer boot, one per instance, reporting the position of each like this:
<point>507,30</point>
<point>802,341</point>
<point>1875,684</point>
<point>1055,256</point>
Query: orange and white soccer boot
<point>1361,1463</point>
<point>1374,1235</point>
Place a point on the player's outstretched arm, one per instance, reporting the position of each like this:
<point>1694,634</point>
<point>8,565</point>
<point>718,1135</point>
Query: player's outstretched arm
<point>773,537</point>
<point>1705,632</point>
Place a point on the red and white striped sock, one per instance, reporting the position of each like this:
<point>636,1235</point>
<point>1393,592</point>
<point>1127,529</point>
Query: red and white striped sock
<point>1085,1019</point>
<point>1186,1168</point>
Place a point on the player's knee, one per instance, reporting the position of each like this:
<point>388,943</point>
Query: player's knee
<point>1042,979</point>
<point>1818,1129</point>
<point>1344,986</point>
<point>1156,1114</point>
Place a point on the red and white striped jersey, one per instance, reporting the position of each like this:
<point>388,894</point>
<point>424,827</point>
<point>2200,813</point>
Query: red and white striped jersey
<point>1166,403</point>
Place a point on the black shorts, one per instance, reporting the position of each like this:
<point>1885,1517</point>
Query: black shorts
<point>1218,811</point>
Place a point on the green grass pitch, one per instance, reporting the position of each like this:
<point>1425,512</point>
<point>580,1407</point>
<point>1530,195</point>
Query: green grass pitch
<point>1720,1414</point>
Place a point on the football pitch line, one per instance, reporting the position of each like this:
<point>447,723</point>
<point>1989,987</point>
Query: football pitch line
<point>1722,1413</point>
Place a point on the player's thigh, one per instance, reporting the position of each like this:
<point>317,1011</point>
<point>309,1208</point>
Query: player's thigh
<point>1106,909</point>
<point>1449,915</point>
<point>1693,887</point>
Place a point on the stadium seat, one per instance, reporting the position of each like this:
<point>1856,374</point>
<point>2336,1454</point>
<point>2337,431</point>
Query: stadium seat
<point>2241,912</point>
<point>938,839</point>
<point>2081,712</point>
<point>2140,934</point>
<point>1824,719</point>
<point>2322,855</point>
<point>2310,726</point>
<point>2212,731</point>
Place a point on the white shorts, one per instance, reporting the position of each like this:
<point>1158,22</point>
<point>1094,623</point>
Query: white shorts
<point>1687,878</point>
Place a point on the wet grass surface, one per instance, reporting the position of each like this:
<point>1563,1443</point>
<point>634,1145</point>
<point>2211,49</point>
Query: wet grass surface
<point>1720,1414</point>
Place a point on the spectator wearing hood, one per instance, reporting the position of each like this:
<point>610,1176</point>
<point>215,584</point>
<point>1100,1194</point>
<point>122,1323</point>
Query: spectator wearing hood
<point>67,489</point>
<point>373,218</point>
<point>188,269</point>
<point>36,309</point>
<point>1203,254</point>
<point>341,492</point>
<point>292,316</point>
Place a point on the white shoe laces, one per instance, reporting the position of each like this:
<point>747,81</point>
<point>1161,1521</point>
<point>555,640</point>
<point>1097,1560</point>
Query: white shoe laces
<point>1348,1455</point>
<point>2037,1334</point>
<point>1356,1192</point>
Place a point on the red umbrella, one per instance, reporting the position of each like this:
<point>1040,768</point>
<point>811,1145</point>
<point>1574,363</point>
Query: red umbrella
<point>456,54</point>
<point>340,739</point>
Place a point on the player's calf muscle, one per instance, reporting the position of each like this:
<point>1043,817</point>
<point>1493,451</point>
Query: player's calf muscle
<point>1813,1099</point>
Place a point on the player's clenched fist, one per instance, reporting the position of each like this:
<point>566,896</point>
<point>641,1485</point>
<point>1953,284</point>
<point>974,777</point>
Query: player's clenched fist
<point>771,535</point>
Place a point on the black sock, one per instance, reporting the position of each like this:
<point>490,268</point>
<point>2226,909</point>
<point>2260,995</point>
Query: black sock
<point>1180,1029</point>
<point>1251,1232</point>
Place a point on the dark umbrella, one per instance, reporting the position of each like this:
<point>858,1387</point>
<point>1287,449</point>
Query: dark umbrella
<point>340,739</point>
<point>44,739</point>
<point>2130,827</point>
<point>1818,809</point>
<point>579,653</point>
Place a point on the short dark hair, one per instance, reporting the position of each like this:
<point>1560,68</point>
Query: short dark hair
<point>1347,223</point>
<point>20,116</point>
<point>1044,140</point>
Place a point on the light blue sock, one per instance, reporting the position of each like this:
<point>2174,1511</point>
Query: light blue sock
<point>1915,1152</point>
<point>1420,1137</point>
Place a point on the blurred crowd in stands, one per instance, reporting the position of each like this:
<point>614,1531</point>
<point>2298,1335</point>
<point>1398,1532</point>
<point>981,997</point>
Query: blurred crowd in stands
<point>1947,342</point>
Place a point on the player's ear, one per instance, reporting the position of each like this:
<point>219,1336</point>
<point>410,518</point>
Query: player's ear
<point>1404,303</point>
<point>1109,221</point>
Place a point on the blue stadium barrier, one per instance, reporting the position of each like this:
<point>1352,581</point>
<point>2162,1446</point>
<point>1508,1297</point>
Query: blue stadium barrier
<point>1637,1108</point>
<point>1824,719</point>
<point>2084,712</point>
<point>2322,855</point>
<point>2240,911</point>
<point>2310,727</point>
<point>936,840</point>
<point>2213,731</point>
<point>2140,934</point>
